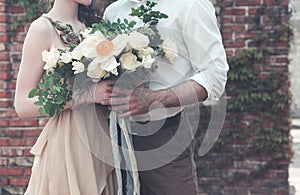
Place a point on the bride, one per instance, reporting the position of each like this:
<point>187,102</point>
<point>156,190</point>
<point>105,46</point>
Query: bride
<point>65,162</point>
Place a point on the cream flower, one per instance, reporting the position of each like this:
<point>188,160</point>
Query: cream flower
<point>146,55</point>
<point>96,73</point>
<point>147,61</point>
<point>87,45</point>
<point>170,48</point>
<point>129,61</point>
<point>103,53</point>
<point>66,57</point>
<point>145,52</point>
<point>137,41</point>
<point>51,58</point>
<point>78,67</point>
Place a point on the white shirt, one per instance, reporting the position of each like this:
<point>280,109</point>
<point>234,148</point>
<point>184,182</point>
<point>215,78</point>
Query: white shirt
<point>193,25</point>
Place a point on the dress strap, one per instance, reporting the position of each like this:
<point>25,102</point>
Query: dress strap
<point>65,32</point>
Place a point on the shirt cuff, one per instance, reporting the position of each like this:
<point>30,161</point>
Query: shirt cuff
<point>201,80</point>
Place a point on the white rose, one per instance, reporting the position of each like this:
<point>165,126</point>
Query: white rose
<point>66,57</point>
<point>129,61</point>
<point>145,52</point>
<point>137,41</point>
<point>96,73</point>
<point>147,61</point>
<point>78,67</point>
<point>110,65</point>
<point>77,54</point>
<point>51,58</point>
<point>170,48</point>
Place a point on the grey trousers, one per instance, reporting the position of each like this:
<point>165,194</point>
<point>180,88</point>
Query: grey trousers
<point>177,177</point>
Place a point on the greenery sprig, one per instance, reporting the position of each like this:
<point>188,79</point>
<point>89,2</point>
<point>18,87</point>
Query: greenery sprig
<point>53,91</point>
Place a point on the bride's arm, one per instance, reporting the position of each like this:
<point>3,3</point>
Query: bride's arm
<point>37,40</point>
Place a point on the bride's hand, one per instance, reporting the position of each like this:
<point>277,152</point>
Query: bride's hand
<point>103,91</point>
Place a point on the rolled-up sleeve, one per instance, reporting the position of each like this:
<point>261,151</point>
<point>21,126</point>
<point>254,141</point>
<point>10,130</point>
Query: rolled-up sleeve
<point>205,48</point>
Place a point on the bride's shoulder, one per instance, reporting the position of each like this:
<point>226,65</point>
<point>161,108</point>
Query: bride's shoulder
<point>41,26</point>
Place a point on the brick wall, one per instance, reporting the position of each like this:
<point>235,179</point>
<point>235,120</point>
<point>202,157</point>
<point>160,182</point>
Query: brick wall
<point>228,170</point>
<point>17,136</point>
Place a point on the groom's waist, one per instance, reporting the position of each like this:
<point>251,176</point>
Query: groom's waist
<point>147,128</point>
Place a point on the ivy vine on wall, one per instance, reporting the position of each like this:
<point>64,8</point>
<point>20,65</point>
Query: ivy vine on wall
<point>33,9</point>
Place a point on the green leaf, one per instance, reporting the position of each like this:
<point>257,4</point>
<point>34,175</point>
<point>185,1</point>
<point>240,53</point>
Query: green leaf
<point>41,111</point>
<point>48,83</point>
<point>33,93</point>
<point>38,103</point>
<point>41,85</point>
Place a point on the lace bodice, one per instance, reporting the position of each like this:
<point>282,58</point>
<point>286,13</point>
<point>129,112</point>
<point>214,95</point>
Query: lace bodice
<point>65,32</point>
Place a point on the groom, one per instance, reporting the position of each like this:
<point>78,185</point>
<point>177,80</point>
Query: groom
<point>162,135</point>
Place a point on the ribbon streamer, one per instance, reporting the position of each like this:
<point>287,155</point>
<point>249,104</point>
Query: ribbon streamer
<point>133,184</point>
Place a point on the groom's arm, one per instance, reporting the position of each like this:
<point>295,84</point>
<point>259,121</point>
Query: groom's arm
<point>141,100</point>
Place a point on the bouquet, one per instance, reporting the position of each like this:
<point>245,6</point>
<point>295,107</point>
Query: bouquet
<point>105,50</point>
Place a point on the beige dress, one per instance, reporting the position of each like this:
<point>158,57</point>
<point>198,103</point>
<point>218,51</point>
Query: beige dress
<point>65,163</point>
<point>73,154</point>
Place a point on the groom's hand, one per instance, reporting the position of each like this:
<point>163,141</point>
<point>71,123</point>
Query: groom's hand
<point>130,102</point>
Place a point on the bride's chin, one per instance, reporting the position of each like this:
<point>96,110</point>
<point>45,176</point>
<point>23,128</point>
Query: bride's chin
<point>85,2</point>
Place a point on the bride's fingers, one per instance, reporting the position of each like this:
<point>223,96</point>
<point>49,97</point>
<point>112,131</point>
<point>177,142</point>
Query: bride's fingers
<point>120,108</point>
<point>118,90</point>
<point>115,101</point>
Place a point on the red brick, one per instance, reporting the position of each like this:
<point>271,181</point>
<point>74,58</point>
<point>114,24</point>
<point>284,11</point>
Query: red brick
<point>227,20</point>
<point>5,103</point>
<point>3,28</point>
<point>27,152</point>
<point>11,171</point>
<point>4,56</point>
<point>4,66</point>
<point>245,35</point>
<point>27,172</point>
<point>3,181</point>
<point>3,123</point>
<point>5,94</point>
<point>282,60</point>
<point>14,133</point>
<point>248,3</point>
<point>21,142</point>
<point>19,29</point>
<point>239,12</point>
<point>19,181</point>
<point>8,113</point>
<point>282,44</point>
<point>16,9</point>
<point>3,18</point>
<point>3,142</point>
<point>32,133</point>
<point>19,38</point>
<point>23,123</point>
<point>17,47</point>
<point>235,44</point>
<point>234,28</point>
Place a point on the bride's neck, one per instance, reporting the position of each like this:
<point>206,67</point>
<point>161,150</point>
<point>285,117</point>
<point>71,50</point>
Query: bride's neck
<point>65,11</point>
